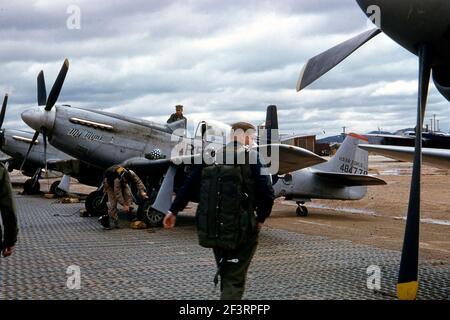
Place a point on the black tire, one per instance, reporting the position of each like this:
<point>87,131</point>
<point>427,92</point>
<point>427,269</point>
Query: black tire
<point>30,188</point>
<point>302,211</point>
<point>151,217</point>
<point>57,191</point>
<point>60,193</point>
<point>94,204</point>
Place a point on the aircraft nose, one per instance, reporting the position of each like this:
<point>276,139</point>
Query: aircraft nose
<point>37,118</point>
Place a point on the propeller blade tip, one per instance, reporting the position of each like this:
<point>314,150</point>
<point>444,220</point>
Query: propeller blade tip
<point>300,78</point>
<point>407,290</point>
<point>66,62</point>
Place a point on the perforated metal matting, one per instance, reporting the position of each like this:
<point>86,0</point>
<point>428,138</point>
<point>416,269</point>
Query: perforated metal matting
<point>169,264</point>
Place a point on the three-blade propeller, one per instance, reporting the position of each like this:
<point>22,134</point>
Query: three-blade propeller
<point>48,102</point>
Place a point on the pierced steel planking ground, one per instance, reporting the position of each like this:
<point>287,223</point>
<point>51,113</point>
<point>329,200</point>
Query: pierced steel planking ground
<point>169,264</point>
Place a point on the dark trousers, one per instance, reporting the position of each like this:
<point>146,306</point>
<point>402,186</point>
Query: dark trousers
<point>234,267</point>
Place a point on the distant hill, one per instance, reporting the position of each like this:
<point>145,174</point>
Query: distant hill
<point>332,139</point>
<point>379,132</point>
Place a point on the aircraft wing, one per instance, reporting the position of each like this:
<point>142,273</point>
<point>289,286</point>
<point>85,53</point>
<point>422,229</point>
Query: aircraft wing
<point>291,158</point>
<point>439,158</point>
<point>351,180</point>
<point>393,136</point>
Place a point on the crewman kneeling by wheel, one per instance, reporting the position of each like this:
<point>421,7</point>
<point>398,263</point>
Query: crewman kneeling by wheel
<point>116,185</point>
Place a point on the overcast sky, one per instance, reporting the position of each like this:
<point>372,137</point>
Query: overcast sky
<point>225,60</point>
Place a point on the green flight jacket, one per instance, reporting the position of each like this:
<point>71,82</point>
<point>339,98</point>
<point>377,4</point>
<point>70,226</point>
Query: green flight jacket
<point>173,117</point>
<point>7,210</point>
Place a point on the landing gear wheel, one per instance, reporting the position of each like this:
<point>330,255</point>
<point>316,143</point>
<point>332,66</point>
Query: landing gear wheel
<point>302,211</point>
<point>94,204</point>
<point>30,187</point>
<point>151,217</point>
<point>57,191</point>
<point>53,186</point>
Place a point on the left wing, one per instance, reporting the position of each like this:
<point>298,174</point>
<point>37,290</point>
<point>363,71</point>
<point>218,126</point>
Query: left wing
<point>439,158</point>
<point>392,136</point>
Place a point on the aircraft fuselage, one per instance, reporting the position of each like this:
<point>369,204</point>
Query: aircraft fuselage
<point>103,139</point>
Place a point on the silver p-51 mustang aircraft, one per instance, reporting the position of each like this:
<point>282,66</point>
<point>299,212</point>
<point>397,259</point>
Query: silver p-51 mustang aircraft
<point>103,139</point>
<point>100,139</point>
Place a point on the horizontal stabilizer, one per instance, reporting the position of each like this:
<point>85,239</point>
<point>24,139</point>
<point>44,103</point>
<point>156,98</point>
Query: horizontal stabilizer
<point>351,180</point>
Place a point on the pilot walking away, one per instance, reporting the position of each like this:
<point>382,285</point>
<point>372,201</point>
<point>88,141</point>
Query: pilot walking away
<point>116,185</point>
<point>8,238</point>
<point>230,195</point>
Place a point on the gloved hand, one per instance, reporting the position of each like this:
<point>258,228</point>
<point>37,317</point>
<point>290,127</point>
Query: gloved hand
<point>144,195</point>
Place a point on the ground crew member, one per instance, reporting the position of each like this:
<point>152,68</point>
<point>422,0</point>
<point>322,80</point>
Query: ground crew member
<point>8,214</point>
<point>232,263</point>
<point>178,115</point>
<point>117,186</point>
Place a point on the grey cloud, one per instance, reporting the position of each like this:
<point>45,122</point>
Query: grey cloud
<point>225,59</point>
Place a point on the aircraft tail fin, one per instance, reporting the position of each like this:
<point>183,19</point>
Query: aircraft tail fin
<point>349,158</point>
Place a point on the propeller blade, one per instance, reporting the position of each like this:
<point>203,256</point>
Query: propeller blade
<point>407,283</point>
<point>41,91</point>
<point>56,89</point>
<point>44,137</point>
<point>2,114</point>
<point>164,198</point>
<point>327,60</point>
<point>36,134</point>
